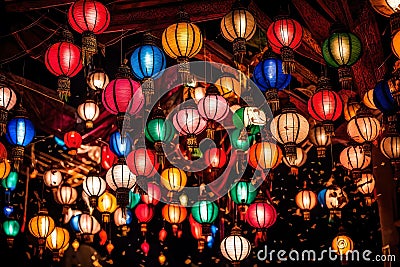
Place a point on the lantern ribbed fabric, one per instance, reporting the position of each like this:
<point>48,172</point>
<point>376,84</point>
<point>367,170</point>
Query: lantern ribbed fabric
<point>368,99</point>
<point>88,16</point>
<point>97,79</point>
<point>73,141</point>
<point>395,44</point>
<point>66,194</point>
<point>41,225</point>
<point>366,184</point>
<point>264,155</point>
<point>5,169</point>
<point>20,131</point>
<point>94,186</point>
<point>174,213</point>
<point>289,128</point>
<point>58,239</point>
<point>182,39</point>
<point>88,111</point>
<point>3,152</point>
<point>284,35</point>
<point>142,162</point>
<point>261,215</point>
<point>88,224</point>
<point>354,159</point>
<point>241,144</point>
<point>123,95</point>
<point>243,193</point>
<point>8,98</point>
<point>363,128</point>
<point>147,61</point>
<point>320,139</point>
<point>120,145</point>
<point>173,179</point>
<point>350,109</point>
<point>390,146</point>
<point>306,200</point>
<point>205,211</point>
<point>215,157</point>
<point>63,59</point>
<point>159,130</point>
<point>213,107</point>
<point>249,117</point>
<point>152,195</point>
<point>385,7</point>
<point>144,213</point>
<point>119,176</point>
<point>11,227</point>
<point>325,105</point>
<point>107,203</point>
<point>108,158</point>
<point>383,98</point>
<point>228,86</point>
<point>188,121</point>
<point>235,248</point>
<point>122,216</point>
<point>134,199</point>
<point>11,181</point>
<point>295,163</point>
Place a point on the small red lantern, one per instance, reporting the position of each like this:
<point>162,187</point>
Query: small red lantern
<point>145,247</point>
<point>197,232</point>
<point>325,105</point>
<point>284,35</point>
<point>215,158</point>
<point>123,95</point>
<point>162,235</point>
<point>63,59</point>
<point>108,158</point>
<point>88,17</point>
<point>152,195</point>
<point>142,162</point>
<point>144,213</point>
<point>3,152</point>
<point>73,140</point>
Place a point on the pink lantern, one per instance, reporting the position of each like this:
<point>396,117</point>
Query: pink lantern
<point>142,162</point>
<point>152,195</point>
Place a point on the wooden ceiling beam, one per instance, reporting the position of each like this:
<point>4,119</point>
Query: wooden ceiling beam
<point>24,6</point>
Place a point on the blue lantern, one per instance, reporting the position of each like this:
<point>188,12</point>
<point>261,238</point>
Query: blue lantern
<point>119,145</point>
<point>8,210</point>
<point>321,197</point>
<point>20,133</point>
<point>383,98</point>
<point>269,77</point>
<point>74,223</point>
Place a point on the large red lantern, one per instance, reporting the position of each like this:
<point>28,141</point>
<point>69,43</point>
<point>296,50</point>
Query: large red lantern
<point>73,141</point>
<point>142,162</point>
<point>123,95</point>
<point>284,35</point>
<point>144,213</point>
<point>63,59</point>
<point>261,215</point>
<point>325,105</point>
<point>88,17</point>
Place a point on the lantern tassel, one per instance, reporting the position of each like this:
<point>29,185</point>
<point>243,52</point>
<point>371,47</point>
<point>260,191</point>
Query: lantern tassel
<point>272,99</point>
<point>239,49</point>
<point>183,69</point>
<point>148,89</point>
<point>3,121</point>
<point>288,63</point>
<point>89,47</point>
<point>345,78</point>
<point>17,156</point>
<point>64,88</point>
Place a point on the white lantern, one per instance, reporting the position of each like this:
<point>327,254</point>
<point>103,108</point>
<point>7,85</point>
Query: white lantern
<point>295,163</point>
<point>235,247</point>
<point>89,226</point>
<point>122,218</point>
<point>66,195</point>
<point>97,79</point>
<point>366,186</point>
<point>88,111</point>
<point>52,178</point>
<point>354,159</point>
<point>8,99</point>
<point>320,139</point>
<point>58,242</point>
<point>120,179</point>
<point>94,187</point>
<point>390,146</point>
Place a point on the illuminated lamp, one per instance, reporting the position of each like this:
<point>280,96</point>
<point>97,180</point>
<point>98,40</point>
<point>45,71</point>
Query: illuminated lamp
<point>97,79</point>
<point>11,228</point>
<point>175,214</point>
<point>205,212</point>
<point>354,159</point>
<point>144,213</point>
<point>88,226</point>
<point>8,99</point>
<point>120,179</point>
<point>73,141</point>
<point>41,226</point>
<point>106,204</point>
<point>88,111</point>
<point>57,242</point>
<point>235,247</point>
<point>320,139</point>
<point>94,187</point>
<point>366,186</point>
<point>122,218</point>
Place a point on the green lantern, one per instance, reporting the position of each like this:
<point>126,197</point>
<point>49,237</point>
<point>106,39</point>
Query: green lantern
<point>205,212</point>
<point>11,229</point>
<point>240,122</point>
<point>134,199</point>
<point>10,182</point>
<point>240,143</point>
<point>341,50</point>
<point>243,193</point>
<point>159,130</point>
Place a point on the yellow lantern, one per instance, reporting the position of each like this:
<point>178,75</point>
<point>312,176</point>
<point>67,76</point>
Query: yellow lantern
<point>342,244</point>
<point>174,214</point>
<point>320,139</point>
<point>162,258</point>
<point>306,200</point>
<point>5,169</point>
<point>368,99</point>
<point>366,186</point>
<point>41,226</point>
<point>173,179</point>
<point>58,242</point>
<point>228,86</point>
<point>106,204</point>
<point>350,109</point>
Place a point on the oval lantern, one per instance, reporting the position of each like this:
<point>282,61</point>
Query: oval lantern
<point>264,155</point>
<point>8,99</point>
<point>73,141</point>
<point>97,79</point>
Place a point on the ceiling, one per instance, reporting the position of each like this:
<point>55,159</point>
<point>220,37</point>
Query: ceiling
<point>31,26</point>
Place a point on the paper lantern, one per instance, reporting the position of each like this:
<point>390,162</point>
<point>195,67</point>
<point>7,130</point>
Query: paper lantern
<point>388,8</point>
<point>390,146</point>
<point>261,215</point>
<point>10,182</point>
<point>120,145</point>
<point>264,155</point>
<point>106,204</point>
<point>57,242</point>
<point>52,178</point>
<point>320,139</point>
<point>145,247</point>
<point>66,195</point>
<point>285,34</point>
<point>229,86</point>
<point>294,164</point>
<point>366,186</point>
<point>108,158</point>
<point>325,105</point>
<point>41,226</point>
<point>238,26</point>
<point>134,199</point>
<point>205,212</point>
<point>94,187</point>
<point>368,99</point>
<point>243,193</point>
<point>173,179</point>
<point>120,179</point>
<point>239,142</point>
<point>334,199</point>
<point>354,159</point>
<point>8,99</point>
<point>289,128</point>
<point>152,195</point>
<point>350,109</point>
<point>174,214</point>
<point>97,79</point>
<point>250,117</point>
<point>306,200</point>
<point>142,162</point>
<point>88,111</point>
<point>383,98</point>
<point>342,244</point>
<point>122,218</point>
<point>5,169</point>
<point>11,229</point>
<point>144,213</point>
<point>215,158</point>
<point>268,75</point>
<point>235,247</point>
<point>341,50</point>
<point>73,141</point>
<point>89,18</point>
<point>88,226</point>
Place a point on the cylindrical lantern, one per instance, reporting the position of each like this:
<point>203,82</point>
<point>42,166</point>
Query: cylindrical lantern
<point>264,155</point>
<point>205,212</point>
<point>354,159</point>
<point>238,26</point>
<point>88,226</point>
<point>173,179</point>
<point>289,128</point>
<point>144,213</point>
<point>120,179</point>
<point>341,50</point>
<point>73,141</point>
<point>306,200</point>
<point>235,247</point>
<point>106,204</point>
<point>120,145</point>
<point>94,187</point>
<point>57,242</point>
<point>8,99</point>
<point>294,164</point>
<point>268,75</point>
<point>325,105</point>
<point>97,79</point>
<point>88,111</point>
<point>182,41</point>
<point>284,34</point>
<point>63,59</point>
<point>89,18</point>
<point>41,226</point>
<point>320,139</point>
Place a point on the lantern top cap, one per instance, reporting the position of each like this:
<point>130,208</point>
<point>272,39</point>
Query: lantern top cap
<point>123,70</point>
<point>158,113</point>
<point>289,108</point>
<point>212,90</point>
<point>269,54</point>
<point>337,27</point>
<point>238,4</point>
<point>363,112</point>
<point>236,230</point>
<point>66,35</point>
<point>324,83</point>
<point>183,16</point>
<point>21,112</point>
<point>148,39</point>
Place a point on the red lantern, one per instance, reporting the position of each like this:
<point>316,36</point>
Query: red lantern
<point>3,152</point>
<point>73,140</point>
<point>215,158</point>
<point>108,158</point>
<point>63,59</point>
<point>162,235</point>
<point>284,35</point>
<point>325,105</point>
<point>145,247</point>
<point>144,213</point>
<point>261,215</point>
<point>123,95</point>
<point>88,17</point>
<point>142,162</point>
<point>197,233</point>
<point>152,195</point>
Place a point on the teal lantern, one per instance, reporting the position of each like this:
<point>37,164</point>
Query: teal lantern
<point>11,229</point>
<point>10,182</point>
<point>341,50</point>
<point>240,142</point>
<point>241,120</point>
<point>205,212</point>
<point>134,199</point>
<point>243,193</point>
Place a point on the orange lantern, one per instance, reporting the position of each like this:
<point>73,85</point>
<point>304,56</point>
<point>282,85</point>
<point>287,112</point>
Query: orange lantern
<point>174,214</point>
<point>265,155</point>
